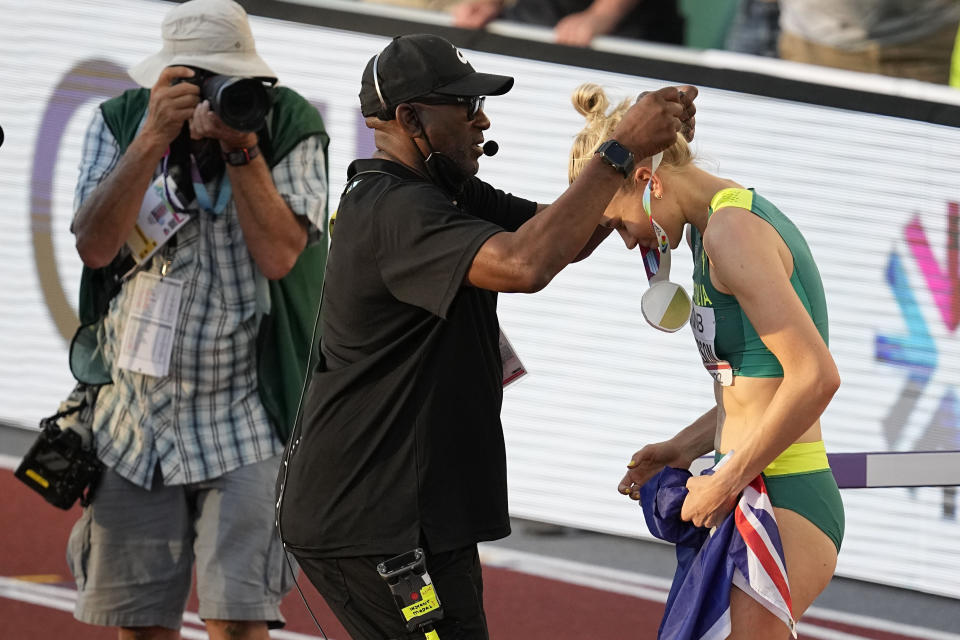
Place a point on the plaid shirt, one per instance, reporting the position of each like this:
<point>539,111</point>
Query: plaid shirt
<point>205,417</point>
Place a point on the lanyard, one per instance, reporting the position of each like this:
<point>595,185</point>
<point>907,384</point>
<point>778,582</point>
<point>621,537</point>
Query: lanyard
<point>203,198</point>
<point>656,263</point>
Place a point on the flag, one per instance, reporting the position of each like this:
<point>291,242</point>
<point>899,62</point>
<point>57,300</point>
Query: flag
<point>744,550</point>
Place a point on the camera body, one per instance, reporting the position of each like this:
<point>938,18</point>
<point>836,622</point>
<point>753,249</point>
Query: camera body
<point>242,103</point>
<point>60,465</point>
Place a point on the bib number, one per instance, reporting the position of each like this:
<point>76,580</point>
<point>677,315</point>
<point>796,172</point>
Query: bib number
<point>704,325</point>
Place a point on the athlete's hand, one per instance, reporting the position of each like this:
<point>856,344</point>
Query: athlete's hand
<point>647,462</point>
<point>170,105</point>
<point>709,500</point>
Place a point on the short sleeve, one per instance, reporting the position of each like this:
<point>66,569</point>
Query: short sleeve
<point>301,180</point>
<point>424,245</point>
<point>100,154</point>
<point>501,208</point>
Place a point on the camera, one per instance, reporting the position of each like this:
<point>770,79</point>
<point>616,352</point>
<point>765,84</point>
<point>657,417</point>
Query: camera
<point>60,465</point>
<point>242,103</point>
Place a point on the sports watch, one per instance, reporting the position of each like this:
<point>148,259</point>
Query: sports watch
<point>617,156</point>
<point>240,157</point>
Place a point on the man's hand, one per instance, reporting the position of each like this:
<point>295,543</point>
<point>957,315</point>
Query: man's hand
<point>647,462</point>
<point>170,105</point>
<point>476,14</point>
<point>204,123</point>
<point>651,125</point>
<point>688,119</point>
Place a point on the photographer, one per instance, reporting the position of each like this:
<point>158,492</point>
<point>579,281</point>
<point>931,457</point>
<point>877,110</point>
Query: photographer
<point>188,430</point>
<point>401,444</point>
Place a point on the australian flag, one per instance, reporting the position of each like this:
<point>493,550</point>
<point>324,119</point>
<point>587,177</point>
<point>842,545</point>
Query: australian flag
<point>745,551</point>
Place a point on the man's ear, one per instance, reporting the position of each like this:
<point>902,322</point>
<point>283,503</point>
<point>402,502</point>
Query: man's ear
<point>408,119</point>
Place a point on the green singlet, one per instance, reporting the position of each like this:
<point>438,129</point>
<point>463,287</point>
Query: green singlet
<point>800,478</point>
<point>723,331</point>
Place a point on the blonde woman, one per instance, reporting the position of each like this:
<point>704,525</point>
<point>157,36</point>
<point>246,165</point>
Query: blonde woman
<point>760,322</point>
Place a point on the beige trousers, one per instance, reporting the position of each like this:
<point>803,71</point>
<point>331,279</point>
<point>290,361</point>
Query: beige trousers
<point>927,59</point>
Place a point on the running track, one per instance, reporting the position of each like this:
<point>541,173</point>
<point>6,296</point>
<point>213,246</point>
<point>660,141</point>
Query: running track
<point>527,596</point>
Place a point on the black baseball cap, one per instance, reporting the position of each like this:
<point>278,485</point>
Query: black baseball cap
<point>417,65</point>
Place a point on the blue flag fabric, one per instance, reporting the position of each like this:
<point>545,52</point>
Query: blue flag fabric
<point>744,550</point>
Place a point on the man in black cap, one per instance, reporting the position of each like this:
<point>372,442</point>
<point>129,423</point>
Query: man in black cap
<point>400,444</point>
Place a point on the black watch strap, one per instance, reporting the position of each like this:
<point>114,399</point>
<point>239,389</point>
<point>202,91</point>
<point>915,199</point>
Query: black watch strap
<point>242,156</point>
<point>617,156</point>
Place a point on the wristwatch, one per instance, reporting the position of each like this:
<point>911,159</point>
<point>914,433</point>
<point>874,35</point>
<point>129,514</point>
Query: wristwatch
<point>617,156</point>
<point>242,156</point>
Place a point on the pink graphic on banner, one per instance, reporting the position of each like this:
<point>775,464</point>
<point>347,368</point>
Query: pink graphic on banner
<point>944,285</point>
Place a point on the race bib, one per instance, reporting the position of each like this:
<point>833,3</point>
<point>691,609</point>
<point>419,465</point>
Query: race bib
<point>704,325</point>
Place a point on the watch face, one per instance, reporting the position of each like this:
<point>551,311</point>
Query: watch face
<point>617,153</point>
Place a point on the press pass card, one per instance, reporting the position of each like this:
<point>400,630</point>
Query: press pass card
<point>513,369</point>
<point>158,219</point>
<point>150,326</point>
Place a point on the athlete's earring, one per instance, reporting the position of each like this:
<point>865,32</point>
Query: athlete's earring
<point>658,196</point>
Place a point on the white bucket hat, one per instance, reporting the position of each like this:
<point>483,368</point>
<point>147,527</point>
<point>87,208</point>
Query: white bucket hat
<point>210,34</point>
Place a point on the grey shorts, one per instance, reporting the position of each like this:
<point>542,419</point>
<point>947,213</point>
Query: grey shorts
<point>132,551</point>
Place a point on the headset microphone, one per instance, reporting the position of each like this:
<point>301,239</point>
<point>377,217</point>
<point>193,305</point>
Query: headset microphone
<point>490,148</point>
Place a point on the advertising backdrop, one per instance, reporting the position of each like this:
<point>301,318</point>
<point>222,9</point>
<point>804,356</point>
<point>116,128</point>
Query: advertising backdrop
<point>877,198</point>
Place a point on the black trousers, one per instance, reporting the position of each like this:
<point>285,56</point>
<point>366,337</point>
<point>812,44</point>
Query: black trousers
<point>362,601</point>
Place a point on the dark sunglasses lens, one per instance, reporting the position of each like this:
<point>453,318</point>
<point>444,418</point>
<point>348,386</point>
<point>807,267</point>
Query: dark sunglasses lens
<point>474,106</point>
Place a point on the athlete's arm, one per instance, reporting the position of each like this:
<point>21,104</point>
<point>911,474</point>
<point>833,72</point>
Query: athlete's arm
<point>678,452</point>
<point>744,251</point>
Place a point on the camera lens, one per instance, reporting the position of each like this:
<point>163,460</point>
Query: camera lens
<point>242,103</point>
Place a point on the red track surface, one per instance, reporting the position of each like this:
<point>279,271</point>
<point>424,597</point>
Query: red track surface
<point>33,538</point>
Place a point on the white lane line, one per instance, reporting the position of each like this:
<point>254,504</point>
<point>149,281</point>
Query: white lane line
<point>64,598</point>
<point>655,589</point>
<point>885,626</point>
<point>9,462</point>
<point>613,580</point>
<point>50,597</point>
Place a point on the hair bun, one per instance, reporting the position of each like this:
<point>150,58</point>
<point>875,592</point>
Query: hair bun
<point>590,101</point>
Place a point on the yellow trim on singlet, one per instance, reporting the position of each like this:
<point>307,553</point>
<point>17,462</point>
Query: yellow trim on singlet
<point>800,457</point>
<point>732,197</point>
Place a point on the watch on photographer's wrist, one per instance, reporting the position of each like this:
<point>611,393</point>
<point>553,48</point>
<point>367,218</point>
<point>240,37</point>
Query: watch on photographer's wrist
<point>242,156</point>
<point>617,156</point>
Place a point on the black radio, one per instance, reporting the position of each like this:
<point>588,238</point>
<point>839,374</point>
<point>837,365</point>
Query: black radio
<point>60,465</point>
<point>413,591</point>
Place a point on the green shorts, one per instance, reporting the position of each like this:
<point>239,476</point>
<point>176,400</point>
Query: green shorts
<point>800,480</point>
<point>814,495</point>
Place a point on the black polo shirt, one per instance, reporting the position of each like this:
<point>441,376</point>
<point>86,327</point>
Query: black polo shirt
<point>401,442</point>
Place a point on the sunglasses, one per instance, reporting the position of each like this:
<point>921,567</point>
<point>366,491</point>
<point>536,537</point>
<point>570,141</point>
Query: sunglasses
<point>473,103</point>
